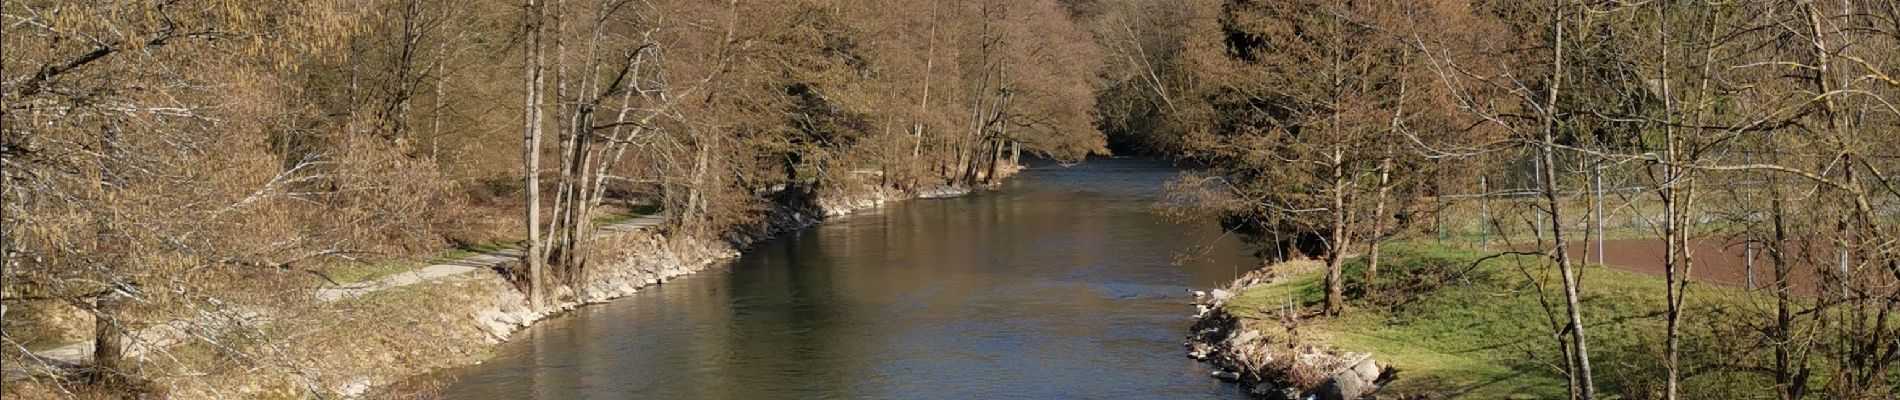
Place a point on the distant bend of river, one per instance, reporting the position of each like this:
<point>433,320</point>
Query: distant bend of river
<point>1060,285</point>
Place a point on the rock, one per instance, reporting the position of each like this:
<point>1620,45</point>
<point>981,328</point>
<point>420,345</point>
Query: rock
<point>1221,295</point>
<point>1226,375</point>
<point>1199,294</point>
<point>1367,370</point>
<point>1199,351</point>
<point>356,388</point>
<point>1344,385</point>
<point>1263,388</point>
<point>1246,336</point>
<point>1315,359</point>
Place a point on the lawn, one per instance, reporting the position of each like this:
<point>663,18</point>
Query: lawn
<point>1458,327</point>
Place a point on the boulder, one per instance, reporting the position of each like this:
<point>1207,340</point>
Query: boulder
<point>1246,337</point>
<point>1264,388</point>
<point>1344,385</point>
<point>1367,370</point>
<point>1221,295</point>
<point>1199,351</point>
<point>1226,375</point>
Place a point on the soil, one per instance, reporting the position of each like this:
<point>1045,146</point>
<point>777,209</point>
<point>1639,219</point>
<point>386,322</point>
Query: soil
<point>1715,261</point>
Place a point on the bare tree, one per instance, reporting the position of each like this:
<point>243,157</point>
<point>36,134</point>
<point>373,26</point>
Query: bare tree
<point>533,55</point>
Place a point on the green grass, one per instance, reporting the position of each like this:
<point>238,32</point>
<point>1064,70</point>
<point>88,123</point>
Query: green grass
<point>1459,328</point>
<point>471,251</point>
<point>1525,237</point>
<point>349,273</point>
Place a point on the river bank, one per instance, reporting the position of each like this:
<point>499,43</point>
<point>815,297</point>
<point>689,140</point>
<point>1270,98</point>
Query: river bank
<point>1447,322</point>
<point>371,339</point>
<point>628,262</point>
<point>1266,355</point>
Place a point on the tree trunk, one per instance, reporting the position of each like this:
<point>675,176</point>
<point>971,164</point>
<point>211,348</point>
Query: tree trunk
<point>576,230</point>
<point>1335,288</point>
<point>923,106</point>
<point>1572,296</point>
<point>1676,191</point>
<point>1586,390</point>
<point>531,154</point>
<point>1385,188</point>
<point>1378,223</point>
<point>108,345</point>
<point>435,115</point>
<point>696,200</point>
<point>1015,153</point>
<point>996,156</point>
<point>1791,375</point>
<point>395,114</point>
<point>1672,270</point>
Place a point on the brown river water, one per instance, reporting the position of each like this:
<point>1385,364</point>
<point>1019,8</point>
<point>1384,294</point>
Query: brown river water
<point>1062,284</point>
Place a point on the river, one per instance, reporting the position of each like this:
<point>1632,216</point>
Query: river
<point>1062,284</point>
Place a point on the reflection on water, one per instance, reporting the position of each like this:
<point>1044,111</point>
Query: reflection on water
<point>1061,285</point>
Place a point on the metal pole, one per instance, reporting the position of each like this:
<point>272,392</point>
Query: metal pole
<point>1438,217</point>
<point>1748,250</point>
<point>1843,271</point>
<point>1537,182</point>
<point>1484,213</point>
<point>1847,239</point>
<point>1599,212</point>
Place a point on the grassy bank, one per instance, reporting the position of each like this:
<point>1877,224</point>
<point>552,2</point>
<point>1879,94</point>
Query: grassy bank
<point>1459,325</point>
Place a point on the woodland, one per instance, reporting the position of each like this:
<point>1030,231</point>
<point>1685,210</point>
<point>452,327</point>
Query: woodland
<point>167,158</point>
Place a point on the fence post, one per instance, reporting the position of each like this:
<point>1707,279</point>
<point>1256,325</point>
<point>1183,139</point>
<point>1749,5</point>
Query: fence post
<point>1599,212</point>
<point>1484,213</point>
<point>1537,182</point>
<point>1748,254</point>
<point>1844,271</point>
<point>1438,217</point>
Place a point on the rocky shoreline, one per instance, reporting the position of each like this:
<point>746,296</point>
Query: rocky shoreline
<point>1270,366</point>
